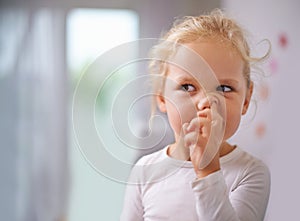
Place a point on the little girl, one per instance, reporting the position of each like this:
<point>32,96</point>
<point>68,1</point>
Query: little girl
<point>202,82</point>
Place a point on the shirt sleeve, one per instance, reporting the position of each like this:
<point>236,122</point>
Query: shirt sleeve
<point>246,202</point>
<point>133,206</point>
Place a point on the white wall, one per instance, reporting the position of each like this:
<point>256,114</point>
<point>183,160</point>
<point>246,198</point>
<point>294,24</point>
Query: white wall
<point>276,142</point>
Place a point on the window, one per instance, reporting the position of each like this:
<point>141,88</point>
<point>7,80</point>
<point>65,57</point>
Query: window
<point>90,33</point>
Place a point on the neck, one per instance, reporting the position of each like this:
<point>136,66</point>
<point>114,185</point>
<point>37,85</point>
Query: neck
<point>178,151</point>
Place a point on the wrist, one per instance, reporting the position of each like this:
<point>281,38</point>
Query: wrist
<point>212,167</point>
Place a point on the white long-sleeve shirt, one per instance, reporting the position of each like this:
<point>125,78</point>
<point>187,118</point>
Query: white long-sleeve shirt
<point>163,188</point>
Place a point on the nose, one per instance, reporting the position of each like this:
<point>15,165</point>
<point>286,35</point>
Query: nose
<point>203,104</point>
<point>206,102</point>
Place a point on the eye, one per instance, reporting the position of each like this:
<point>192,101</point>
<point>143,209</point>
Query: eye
<point>188,87</point>
<point>224,88</point>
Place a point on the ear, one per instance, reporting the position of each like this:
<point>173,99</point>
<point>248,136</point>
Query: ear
<point>248,98</point>
<point>161,103</point>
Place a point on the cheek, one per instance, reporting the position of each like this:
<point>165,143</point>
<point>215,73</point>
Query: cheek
<point>179,113</point>
<point>233,119</point>
<point>174,118</point>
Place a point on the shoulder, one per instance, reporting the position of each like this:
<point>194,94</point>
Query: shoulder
<point>153,157</point>
<point>246,166</point>
<point>254,164</point>
<point>149,167</point>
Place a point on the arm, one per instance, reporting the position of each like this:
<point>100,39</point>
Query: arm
<point>246,202</point>
<point>249,197</point>
<point>132,207</point>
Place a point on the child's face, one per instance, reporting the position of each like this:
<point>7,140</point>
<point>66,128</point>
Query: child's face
<point>183,93</point>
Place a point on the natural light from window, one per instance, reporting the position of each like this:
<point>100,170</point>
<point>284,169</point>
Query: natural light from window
<point>90,33</point>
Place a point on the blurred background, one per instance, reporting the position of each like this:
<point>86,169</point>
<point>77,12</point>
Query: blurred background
<point>46,46</point>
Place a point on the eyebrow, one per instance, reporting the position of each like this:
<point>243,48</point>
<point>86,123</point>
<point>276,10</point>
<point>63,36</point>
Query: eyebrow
<point>184,77</point>
<point>228,81</point>
<point>221,81</point>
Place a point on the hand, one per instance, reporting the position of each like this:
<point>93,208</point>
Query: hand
<point>203,136</point>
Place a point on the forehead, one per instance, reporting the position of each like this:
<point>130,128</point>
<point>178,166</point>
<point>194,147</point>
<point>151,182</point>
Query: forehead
<point>223,59</point>
<point>201,59</point>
